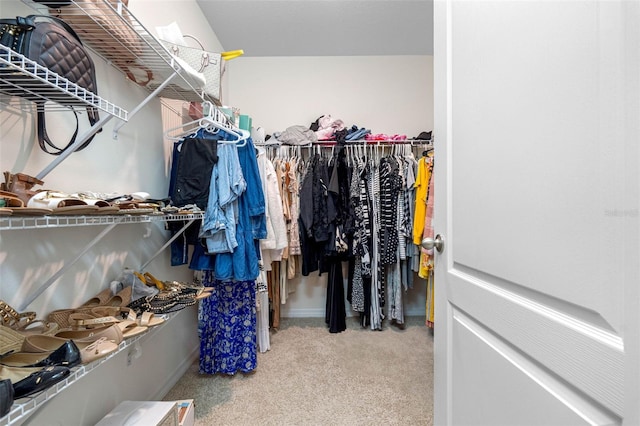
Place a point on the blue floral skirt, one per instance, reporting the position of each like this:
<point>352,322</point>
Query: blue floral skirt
<point>227,327</point>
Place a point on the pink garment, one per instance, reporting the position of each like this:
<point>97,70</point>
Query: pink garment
<point>325,134</point>
<point>324,121</point>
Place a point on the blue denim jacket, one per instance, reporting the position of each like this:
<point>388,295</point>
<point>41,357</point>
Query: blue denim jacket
<point>227,183</point>
<point>251,226</point>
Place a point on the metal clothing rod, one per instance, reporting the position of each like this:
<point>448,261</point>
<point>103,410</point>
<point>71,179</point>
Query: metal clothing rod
<point>412,142</point>
<point>329,144</point>
<point>71,149</point>
<point>66,266</point>
<point>161,249</point>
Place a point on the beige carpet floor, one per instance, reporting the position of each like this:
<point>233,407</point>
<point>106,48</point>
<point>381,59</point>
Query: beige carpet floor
<point>313,377</point>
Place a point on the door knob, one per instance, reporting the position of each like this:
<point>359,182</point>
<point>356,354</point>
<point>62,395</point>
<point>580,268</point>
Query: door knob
<point>430,243</point>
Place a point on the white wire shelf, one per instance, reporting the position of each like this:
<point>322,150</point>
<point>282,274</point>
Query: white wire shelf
<point>25,407</point>
<point>39,222</point>
<point>24,77</point>
<point>109,29</point>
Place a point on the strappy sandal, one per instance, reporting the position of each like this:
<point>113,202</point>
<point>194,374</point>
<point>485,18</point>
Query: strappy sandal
<point>61,316</point>
<point>110,331</point>
<point>199,291</point>
<point>14,319</point>
<point>162,303</point>
<point>171,301</point>
<point>38,326</point>
<point>148,319</point>
<point>128,327</point>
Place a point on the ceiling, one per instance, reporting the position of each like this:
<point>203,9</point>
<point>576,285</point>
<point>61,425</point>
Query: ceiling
<point>322,28</point>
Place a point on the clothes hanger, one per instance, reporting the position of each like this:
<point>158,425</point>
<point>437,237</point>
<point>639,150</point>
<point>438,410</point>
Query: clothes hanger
<point>213,120</point>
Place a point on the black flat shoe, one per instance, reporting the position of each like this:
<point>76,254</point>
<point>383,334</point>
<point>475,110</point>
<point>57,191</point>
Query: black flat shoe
<point>67,355</point>
<point>6,397</point>
<point>30,380</point>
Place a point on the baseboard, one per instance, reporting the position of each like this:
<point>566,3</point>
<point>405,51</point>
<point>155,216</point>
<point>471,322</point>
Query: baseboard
<point>302,313</point>
<point>319,313</point>
<point>179,371</point>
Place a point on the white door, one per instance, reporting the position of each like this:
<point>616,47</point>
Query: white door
<point>537,129</point>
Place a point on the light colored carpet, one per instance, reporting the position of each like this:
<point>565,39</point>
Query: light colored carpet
<point>313,377</point>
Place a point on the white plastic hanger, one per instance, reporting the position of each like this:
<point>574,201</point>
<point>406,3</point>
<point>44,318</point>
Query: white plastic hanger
<point>213,120</point>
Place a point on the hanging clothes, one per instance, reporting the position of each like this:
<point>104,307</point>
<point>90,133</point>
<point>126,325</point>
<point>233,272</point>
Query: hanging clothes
<point>271,247</point>
<point>227,184</point>
<point>227,320</point>
<point>341,238</point>
<point>367,207</point>
<point>192,163</point>
<point>426,256</point>
<point>227,327</point>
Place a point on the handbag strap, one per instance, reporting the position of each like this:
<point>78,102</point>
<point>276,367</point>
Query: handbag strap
<point>58,21</point>
<point>45,142</point>
<point>43,138</point>
<point>132,77</point>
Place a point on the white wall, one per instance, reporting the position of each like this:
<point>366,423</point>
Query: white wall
<point>138,160</point>
<point>387,94</point>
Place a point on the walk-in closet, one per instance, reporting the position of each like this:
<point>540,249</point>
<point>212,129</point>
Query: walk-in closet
<point>173,247</point>
<point>319,212</point>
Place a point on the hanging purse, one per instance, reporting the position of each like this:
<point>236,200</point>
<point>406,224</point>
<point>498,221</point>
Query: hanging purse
<point>208,63</point>
<point>51,43</point>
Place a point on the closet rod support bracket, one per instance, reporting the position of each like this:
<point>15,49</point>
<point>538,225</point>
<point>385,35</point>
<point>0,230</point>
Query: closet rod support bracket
<point>71,149</point>
<point>33,296</point>
<point>161,249</point>
<point>146,100</point>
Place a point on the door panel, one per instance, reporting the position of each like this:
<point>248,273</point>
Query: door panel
<point>536,126</point>
<point>513,210</point>
<point>556,403</point>
<point>571,351</point>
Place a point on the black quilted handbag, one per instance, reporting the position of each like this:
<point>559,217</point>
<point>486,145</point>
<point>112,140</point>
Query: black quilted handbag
<point>52,43</point>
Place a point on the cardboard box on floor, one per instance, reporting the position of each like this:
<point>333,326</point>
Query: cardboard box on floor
<point>151,413</point>
<point>186,412</point>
